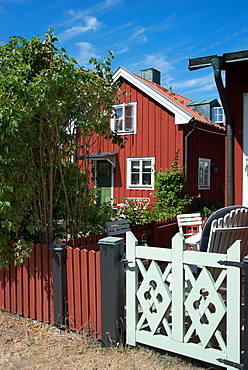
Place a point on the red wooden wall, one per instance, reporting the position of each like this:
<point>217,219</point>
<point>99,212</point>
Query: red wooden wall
<point>204,144</point>
<point>236,86</point>
<point>158,136</point>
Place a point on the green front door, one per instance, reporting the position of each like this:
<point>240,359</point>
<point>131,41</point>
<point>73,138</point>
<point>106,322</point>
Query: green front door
<point>103,181</point>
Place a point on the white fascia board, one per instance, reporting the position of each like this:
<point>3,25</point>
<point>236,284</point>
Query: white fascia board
<point>181,116</point>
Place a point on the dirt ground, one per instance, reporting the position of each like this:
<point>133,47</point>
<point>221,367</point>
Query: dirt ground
<point>28,344</point>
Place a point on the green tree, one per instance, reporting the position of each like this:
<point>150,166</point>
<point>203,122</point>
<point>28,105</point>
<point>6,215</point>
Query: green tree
<point>47,102</point>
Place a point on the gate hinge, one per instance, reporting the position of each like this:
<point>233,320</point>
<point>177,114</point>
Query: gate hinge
<point>232,263</point>
<point>124,260</point>
<point>231,363</point>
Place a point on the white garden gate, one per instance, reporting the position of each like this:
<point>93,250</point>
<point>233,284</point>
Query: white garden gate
<point>169,308</point>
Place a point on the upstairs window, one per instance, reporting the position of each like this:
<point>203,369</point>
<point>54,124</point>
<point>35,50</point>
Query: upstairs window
<point>218,115</point>
<point>204,173</point>
<point>124,121</point>
<point>140,173</point>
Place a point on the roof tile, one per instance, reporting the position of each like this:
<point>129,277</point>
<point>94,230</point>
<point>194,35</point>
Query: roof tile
<point>180,101</point>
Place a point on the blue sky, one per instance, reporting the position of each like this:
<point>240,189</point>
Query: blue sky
<point>160,34</point>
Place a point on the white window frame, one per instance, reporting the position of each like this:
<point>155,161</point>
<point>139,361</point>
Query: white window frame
<point>220,115</point>
<point>125,131</point>
<point>140,186</point>
<point>206,163</point>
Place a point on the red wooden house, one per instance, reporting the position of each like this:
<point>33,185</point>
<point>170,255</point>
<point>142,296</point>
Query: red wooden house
<point>235,101</point>
<point>157,122</point>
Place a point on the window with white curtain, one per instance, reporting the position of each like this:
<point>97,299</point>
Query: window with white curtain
<point>124,121</point>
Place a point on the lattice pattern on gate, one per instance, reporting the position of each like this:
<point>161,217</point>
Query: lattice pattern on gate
<point>169,308</point>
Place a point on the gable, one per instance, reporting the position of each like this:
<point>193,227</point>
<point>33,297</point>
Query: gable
<point>181,115</point>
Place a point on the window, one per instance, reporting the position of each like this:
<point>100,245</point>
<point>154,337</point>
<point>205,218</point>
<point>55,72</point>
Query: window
<point>218,115</point>
<point>140,173</point>
<point>124,121</point>
<point>204,173</point>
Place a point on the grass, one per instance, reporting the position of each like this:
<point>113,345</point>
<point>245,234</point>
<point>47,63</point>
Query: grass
<point>28,344</point>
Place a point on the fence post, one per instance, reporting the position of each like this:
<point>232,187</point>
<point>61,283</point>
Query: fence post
<point>59,282</point>
<point>112,289</point>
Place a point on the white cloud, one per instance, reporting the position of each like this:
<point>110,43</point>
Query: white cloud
<point>80,14</point>
<point>139,30</point>
<point>196,88</point>
<point>139,34</point>
<point>124,50</point>
<point>202,83</point>
<point>155,61</point>
<point>90,24</point>
<point>86,51</point>
<point>106,4</point>
<point>75,15</point>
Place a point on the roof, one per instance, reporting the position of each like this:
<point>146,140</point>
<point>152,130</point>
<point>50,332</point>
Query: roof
<point>174,102</point>
<point>100,155</point>
<point>203,62</point>
<point>202,102</point>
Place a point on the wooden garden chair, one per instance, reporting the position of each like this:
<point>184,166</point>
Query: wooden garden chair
<point>226,230</point>
<point>118,227</point>
<point>190,226</point>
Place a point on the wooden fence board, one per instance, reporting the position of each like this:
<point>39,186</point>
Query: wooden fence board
<point>85,290</point>
<point>26,279</point>
<point>2,290</point>
<point>7,290</point>
<point>46,255</point>
<point>70,287</point>
<point>13,283</point>
<point>92,286</point>
<point>77,288</point>
<point>38,281</point>
<point>32,295</point>
<point>19,290</point>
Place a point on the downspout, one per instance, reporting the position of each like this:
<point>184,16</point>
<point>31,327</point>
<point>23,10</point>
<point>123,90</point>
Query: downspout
<point>186,159</point>
<point>217,63</point>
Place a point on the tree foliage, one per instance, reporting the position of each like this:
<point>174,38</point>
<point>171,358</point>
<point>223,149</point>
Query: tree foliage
<point>47,101</point>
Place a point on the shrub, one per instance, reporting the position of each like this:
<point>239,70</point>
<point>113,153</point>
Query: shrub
<point>169,191</point>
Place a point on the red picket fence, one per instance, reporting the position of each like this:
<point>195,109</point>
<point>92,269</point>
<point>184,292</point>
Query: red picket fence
<point>27,290</point>
<point>157,234</point>
<point>84,291</point>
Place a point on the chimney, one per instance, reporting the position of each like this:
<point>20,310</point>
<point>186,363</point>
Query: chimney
<point>151,74</point>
